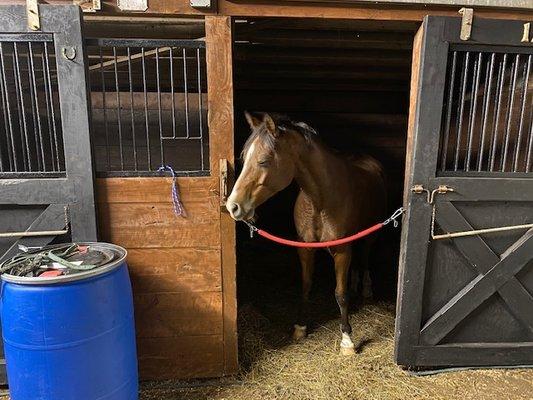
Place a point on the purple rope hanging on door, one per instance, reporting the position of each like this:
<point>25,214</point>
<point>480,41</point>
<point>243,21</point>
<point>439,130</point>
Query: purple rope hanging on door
<point>179,210</point>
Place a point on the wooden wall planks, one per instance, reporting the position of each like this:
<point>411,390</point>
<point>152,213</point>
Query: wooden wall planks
<point>163,315</point>
<point>185,357</point>
<point>154,225</point>
<point>175,268</point>
<point>178,270</point>
<point>121,190</point>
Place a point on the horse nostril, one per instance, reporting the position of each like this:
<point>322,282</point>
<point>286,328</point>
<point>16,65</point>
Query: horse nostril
<point>234,208</point>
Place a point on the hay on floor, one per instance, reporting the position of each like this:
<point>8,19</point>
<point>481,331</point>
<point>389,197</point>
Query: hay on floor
<point>275,368</point>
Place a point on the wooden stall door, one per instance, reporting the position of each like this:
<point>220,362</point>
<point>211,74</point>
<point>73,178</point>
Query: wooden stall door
<point>182,269</point>
<point>467,301</point>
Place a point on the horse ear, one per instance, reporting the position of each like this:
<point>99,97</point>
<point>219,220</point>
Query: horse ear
<point>252,120</point>
<point>270,125</point>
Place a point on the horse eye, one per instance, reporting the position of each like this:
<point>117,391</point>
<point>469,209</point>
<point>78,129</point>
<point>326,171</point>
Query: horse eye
<point>264,163</point>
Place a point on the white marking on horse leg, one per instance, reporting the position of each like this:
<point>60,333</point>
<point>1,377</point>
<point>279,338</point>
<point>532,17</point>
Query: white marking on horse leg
<point>347,346</point>
<point>300,332</point>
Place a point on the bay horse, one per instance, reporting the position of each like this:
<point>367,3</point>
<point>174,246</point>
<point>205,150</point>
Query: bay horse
<point>338,196</point>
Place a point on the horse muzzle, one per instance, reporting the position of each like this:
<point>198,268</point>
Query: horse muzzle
<point>238,212</point>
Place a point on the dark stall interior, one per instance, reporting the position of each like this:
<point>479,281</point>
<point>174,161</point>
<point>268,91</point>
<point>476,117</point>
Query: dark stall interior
<point>350,81</point>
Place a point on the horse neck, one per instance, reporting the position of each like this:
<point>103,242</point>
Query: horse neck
<point>315,168</point>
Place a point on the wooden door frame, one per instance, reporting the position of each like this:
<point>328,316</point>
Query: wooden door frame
<point>306,9</point>
<point>219,43</point>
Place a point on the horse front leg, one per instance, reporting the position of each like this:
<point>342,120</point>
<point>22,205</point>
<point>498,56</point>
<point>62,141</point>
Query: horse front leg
<point>307,261</point>
<point>342,256</point>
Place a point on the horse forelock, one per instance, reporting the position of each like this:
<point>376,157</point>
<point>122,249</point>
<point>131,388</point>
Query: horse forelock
<point>259,133</point>
<point>283,123</point>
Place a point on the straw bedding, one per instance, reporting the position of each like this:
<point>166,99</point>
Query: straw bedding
<point>275,368</point>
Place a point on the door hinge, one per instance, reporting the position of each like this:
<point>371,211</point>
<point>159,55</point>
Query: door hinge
<point>526,34</point>
<point>466,22</point>
<point>88,6</point>
<point>32,11</point>
<point>223,165</point>
<point>202,4</point>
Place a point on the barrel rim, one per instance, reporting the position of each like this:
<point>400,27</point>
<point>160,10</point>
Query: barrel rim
<point>22,280</point>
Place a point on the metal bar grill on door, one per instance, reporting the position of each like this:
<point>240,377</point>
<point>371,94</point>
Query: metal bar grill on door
<point>487,125</point>
<point>31,143</point>
<point>149,106</point>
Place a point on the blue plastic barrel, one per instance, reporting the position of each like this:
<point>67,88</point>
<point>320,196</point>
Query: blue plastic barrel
<point>71,337</point>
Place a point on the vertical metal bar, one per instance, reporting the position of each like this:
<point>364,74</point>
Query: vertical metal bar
<point>104,107</point>
<point>48,119</point>
<point>3,93</point>
<point>36,101</point>
<point>33,120</point>
<point>147,124</point>
<point>486,105</point>
<point>10,122</point>
<point>186,91</point>
<point>499,92</point>
<point>466,62</point>
<point>117,88</point>
<point>473,109</point>
<point>132,111</point>
<point>32,107</point>
<point>510,108</point>
<point>172,93</point>
<point>446,138</point>
<point>51,93</point>
<point>159,105</point>
<point>22,110</point>
<point>516,154</point>
<point>529,147</point>
<point>200,107</point>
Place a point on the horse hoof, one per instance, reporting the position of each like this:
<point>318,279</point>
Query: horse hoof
<point>300,332</point>
<point>347,351</point>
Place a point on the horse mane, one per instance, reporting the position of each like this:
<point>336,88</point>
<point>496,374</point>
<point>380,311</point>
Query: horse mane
<point>283,123</point>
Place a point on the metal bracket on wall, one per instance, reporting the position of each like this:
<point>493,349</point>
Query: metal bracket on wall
<point>32,11</point>
<point>466,23</point>
<point>223,182</point>
<point>526,33</point>
<point>202,4</point>
<point>88,6</point>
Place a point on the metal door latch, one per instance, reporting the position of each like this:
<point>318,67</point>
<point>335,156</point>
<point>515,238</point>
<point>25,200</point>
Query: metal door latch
<point>466,23</point>
<point>442,189</point>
